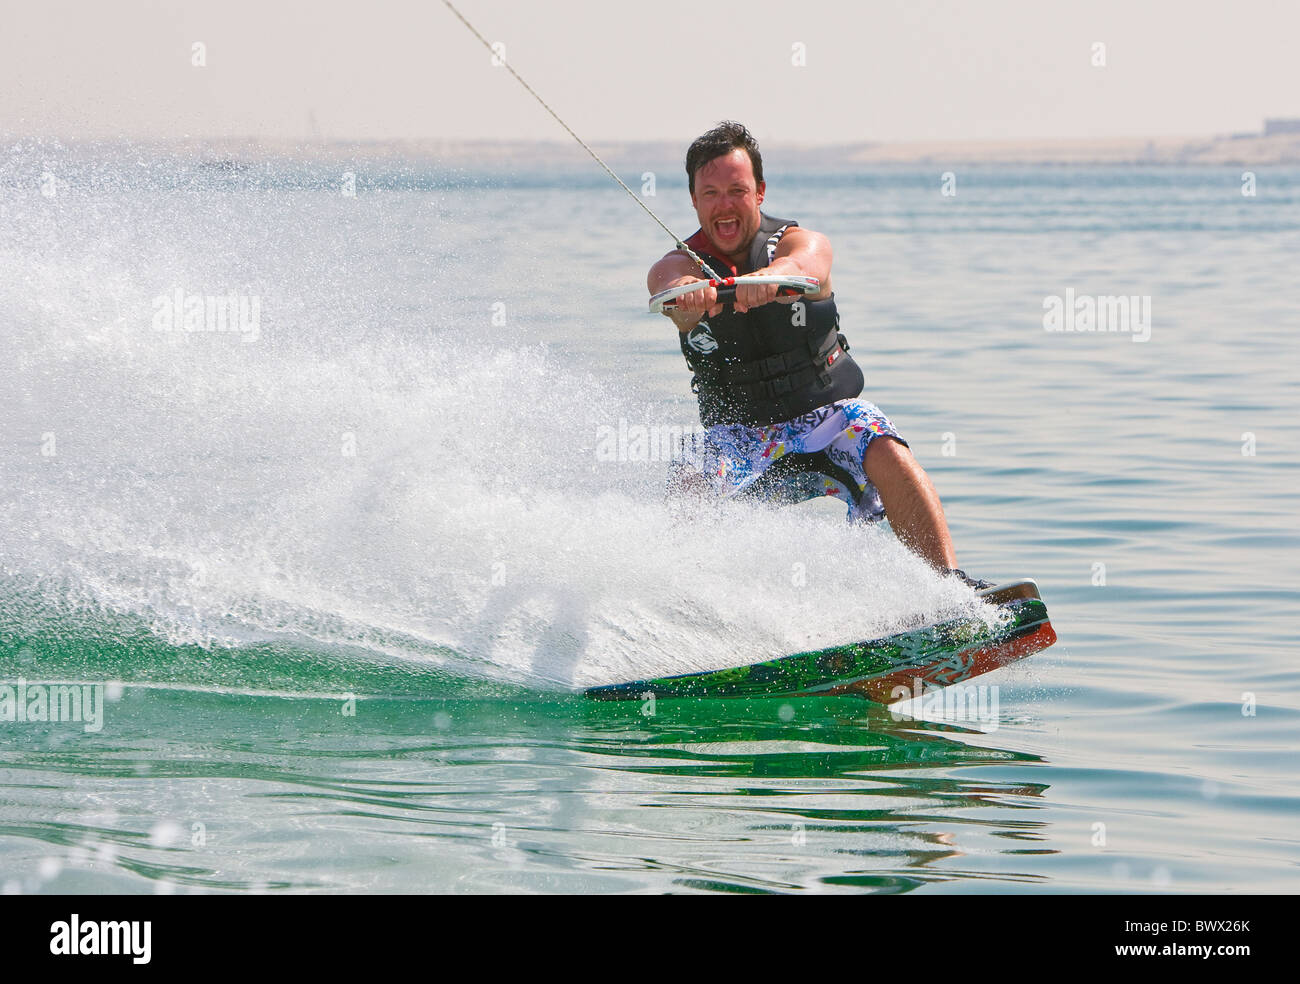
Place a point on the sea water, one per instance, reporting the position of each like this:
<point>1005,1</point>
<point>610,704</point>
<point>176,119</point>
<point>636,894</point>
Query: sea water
<point>328,486</point>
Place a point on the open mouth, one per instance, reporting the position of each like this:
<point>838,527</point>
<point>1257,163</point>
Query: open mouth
<point>726,228</point>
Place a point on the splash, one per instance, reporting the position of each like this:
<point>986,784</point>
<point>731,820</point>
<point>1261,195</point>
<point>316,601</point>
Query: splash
<point>382,470</point>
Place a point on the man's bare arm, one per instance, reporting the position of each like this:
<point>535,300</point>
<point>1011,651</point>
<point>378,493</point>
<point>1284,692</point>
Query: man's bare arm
<point>674,270</point>
<point>800,253</point>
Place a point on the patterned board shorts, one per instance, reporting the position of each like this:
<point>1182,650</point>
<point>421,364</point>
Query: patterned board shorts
<point>817,454</point>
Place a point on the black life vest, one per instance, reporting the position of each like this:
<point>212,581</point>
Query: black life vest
<point>772,363</point>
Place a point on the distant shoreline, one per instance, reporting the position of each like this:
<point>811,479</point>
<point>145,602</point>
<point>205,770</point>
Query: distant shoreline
<point>1238,149</point>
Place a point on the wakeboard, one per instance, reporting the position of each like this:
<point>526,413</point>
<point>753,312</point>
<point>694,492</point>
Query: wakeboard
<point>938,655</point>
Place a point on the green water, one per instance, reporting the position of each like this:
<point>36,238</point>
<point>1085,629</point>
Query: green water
<point>568,796</point>
<point>226,792</point>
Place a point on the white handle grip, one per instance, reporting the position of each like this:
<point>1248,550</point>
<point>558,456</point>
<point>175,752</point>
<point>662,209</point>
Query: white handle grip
<point>666,300</point>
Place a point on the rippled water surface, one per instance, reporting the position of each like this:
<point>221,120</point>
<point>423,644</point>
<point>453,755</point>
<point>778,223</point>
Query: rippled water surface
<point>340,578</point>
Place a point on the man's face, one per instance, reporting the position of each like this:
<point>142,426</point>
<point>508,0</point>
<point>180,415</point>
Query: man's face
<point>726,200</point>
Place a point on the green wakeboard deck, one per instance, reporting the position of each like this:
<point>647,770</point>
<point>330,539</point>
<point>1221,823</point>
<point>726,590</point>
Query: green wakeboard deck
<point>939,655</point>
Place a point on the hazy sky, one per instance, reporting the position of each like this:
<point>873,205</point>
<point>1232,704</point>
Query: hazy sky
<point>877,70</point>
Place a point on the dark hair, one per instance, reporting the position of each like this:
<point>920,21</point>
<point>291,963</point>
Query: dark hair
<point>718,142</point>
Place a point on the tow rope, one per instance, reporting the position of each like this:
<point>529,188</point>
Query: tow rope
<point>709,271</point>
